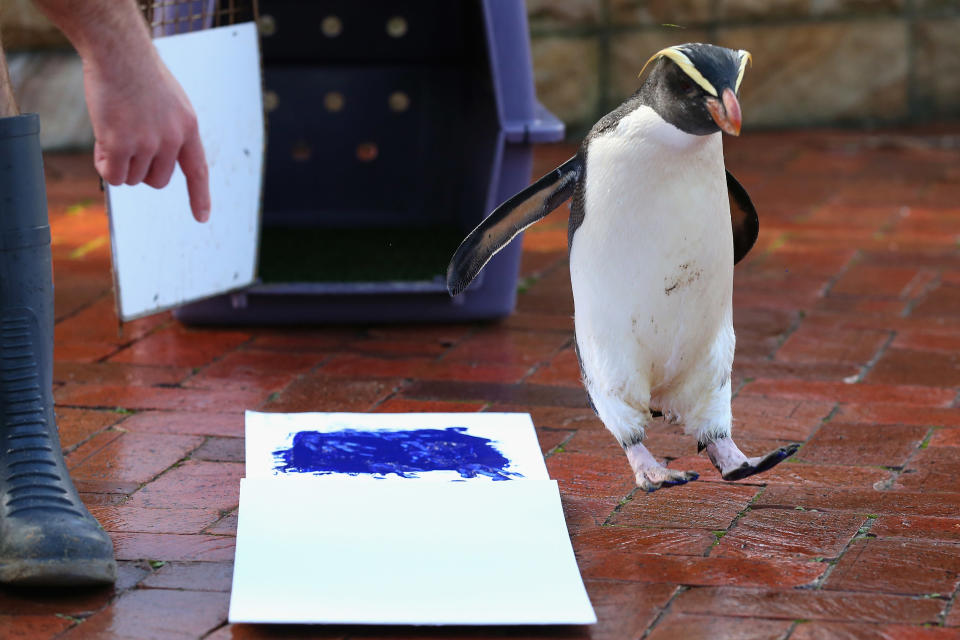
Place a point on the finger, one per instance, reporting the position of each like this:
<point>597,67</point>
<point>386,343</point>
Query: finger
<point>111,165</point>
<point>194,165</point>
<point>162,168</point>
<point>139,165</point>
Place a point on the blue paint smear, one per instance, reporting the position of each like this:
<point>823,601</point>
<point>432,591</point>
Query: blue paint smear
<point>383,452</point>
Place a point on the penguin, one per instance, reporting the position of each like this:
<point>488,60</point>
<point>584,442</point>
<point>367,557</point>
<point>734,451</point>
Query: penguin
<point>656,225</point>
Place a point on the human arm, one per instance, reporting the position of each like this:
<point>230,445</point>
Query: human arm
<point>142,120</point>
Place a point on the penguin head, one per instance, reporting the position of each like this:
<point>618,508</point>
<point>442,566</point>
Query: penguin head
<point>695,86</point>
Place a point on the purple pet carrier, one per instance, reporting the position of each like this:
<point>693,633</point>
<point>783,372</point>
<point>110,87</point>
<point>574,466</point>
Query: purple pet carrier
<point>393,129</point>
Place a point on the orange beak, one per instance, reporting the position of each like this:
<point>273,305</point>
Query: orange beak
<point>727,113</point>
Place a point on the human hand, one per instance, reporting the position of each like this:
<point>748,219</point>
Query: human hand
<point>144,125</point>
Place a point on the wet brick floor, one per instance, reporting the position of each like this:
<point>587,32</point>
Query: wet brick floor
<point>848,322</point>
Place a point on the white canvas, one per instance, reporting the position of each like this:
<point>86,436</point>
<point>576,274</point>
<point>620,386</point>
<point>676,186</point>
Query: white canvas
<point>162,257</point>
<point>426,553</point>
<point>511,434</point>
<point>447,546</point>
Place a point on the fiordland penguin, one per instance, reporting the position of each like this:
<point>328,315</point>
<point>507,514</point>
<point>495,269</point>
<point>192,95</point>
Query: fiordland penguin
<point>656,225</point>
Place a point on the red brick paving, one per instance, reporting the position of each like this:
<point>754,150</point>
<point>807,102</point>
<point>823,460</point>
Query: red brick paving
<point>887,445</point>
<point>848,322</point>
<point>156,613</point>
<point>808,604</point>
<point>898,566</point>
<point>706,505</point>
<point>700,627</point>
<point>853,631</point>
<point>27,627</point>
<point>774,533</point>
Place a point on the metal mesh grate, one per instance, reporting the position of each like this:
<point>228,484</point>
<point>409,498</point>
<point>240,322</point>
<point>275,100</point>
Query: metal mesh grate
<point>168,17</point>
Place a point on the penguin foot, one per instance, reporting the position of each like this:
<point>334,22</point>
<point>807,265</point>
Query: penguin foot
<point>760,464</point>
<point>658,477</point>
<point>733,465</point>
<point>650,474</point>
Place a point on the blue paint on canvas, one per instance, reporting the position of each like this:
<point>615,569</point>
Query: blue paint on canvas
<point>404,453</point>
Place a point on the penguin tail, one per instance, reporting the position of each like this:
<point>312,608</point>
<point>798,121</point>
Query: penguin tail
<point>508,220</point>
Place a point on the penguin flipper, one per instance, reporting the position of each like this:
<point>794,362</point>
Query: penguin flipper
<point>743,217</point>
<point>508,220</point>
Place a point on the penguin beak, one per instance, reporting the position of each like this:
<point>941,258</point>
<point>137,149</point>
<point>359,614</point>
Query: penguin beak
<point>727,113</point>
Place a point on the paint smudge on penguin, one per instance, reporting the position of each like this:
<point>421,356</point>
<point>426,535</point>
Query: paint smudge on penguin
<point>402,452</point>
<point>686,276</point>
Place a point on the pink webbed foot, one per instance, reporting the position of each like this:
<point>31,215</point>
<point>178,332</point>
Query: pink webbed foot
<point>734,465</point>
<point>650,474</point>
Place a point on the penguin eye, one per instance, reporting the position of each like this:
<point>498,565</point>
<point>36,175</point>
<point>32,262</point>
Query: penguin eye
<point>686,87</point>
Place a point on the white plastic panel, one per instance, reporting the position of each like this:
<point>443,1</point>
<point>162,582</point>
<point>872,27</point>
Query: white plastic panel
<point>162,257</point>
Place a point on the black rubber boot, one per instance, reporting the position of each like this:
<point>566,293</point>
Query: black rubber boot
<point>47,536</point>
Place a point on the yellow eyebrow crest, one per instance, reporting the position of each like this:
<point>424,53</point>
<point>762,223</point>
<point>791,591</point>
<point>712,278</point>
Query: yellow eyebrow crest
<point>682,61</point>
<point>745,57</point>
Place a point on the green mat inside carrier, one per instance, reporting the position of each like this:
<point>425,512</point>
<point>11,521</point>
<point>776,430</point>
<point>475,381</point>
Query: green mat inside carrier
<point>356,255</point>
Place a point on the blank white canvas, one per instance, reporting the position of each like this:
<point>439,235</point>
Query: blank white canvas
<point>162,257</point>
<point>512,434</point>
<point>428,553</point>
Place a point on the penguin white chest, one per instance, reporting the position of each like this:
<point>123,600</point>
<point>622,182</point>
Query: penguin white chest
<point>652,263</point>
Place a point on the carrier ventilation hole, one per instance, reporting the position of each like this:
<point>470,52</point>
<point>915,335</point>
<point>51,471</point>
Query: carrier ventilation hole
<point>268,26</point>
<point>367,151</point>
<point>270,101</point>
<point>331,26</point>
<point>301,151</point>
<point>397,27</point>
<point>399,101</point>
<point>333,101</point>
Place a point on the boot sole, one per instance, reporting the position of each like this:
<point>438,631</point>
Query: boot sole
<point>58,573</point>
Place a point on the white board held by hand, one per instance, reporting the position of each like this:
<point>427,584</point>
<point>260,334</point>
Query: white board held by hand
<point>162,257</point>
